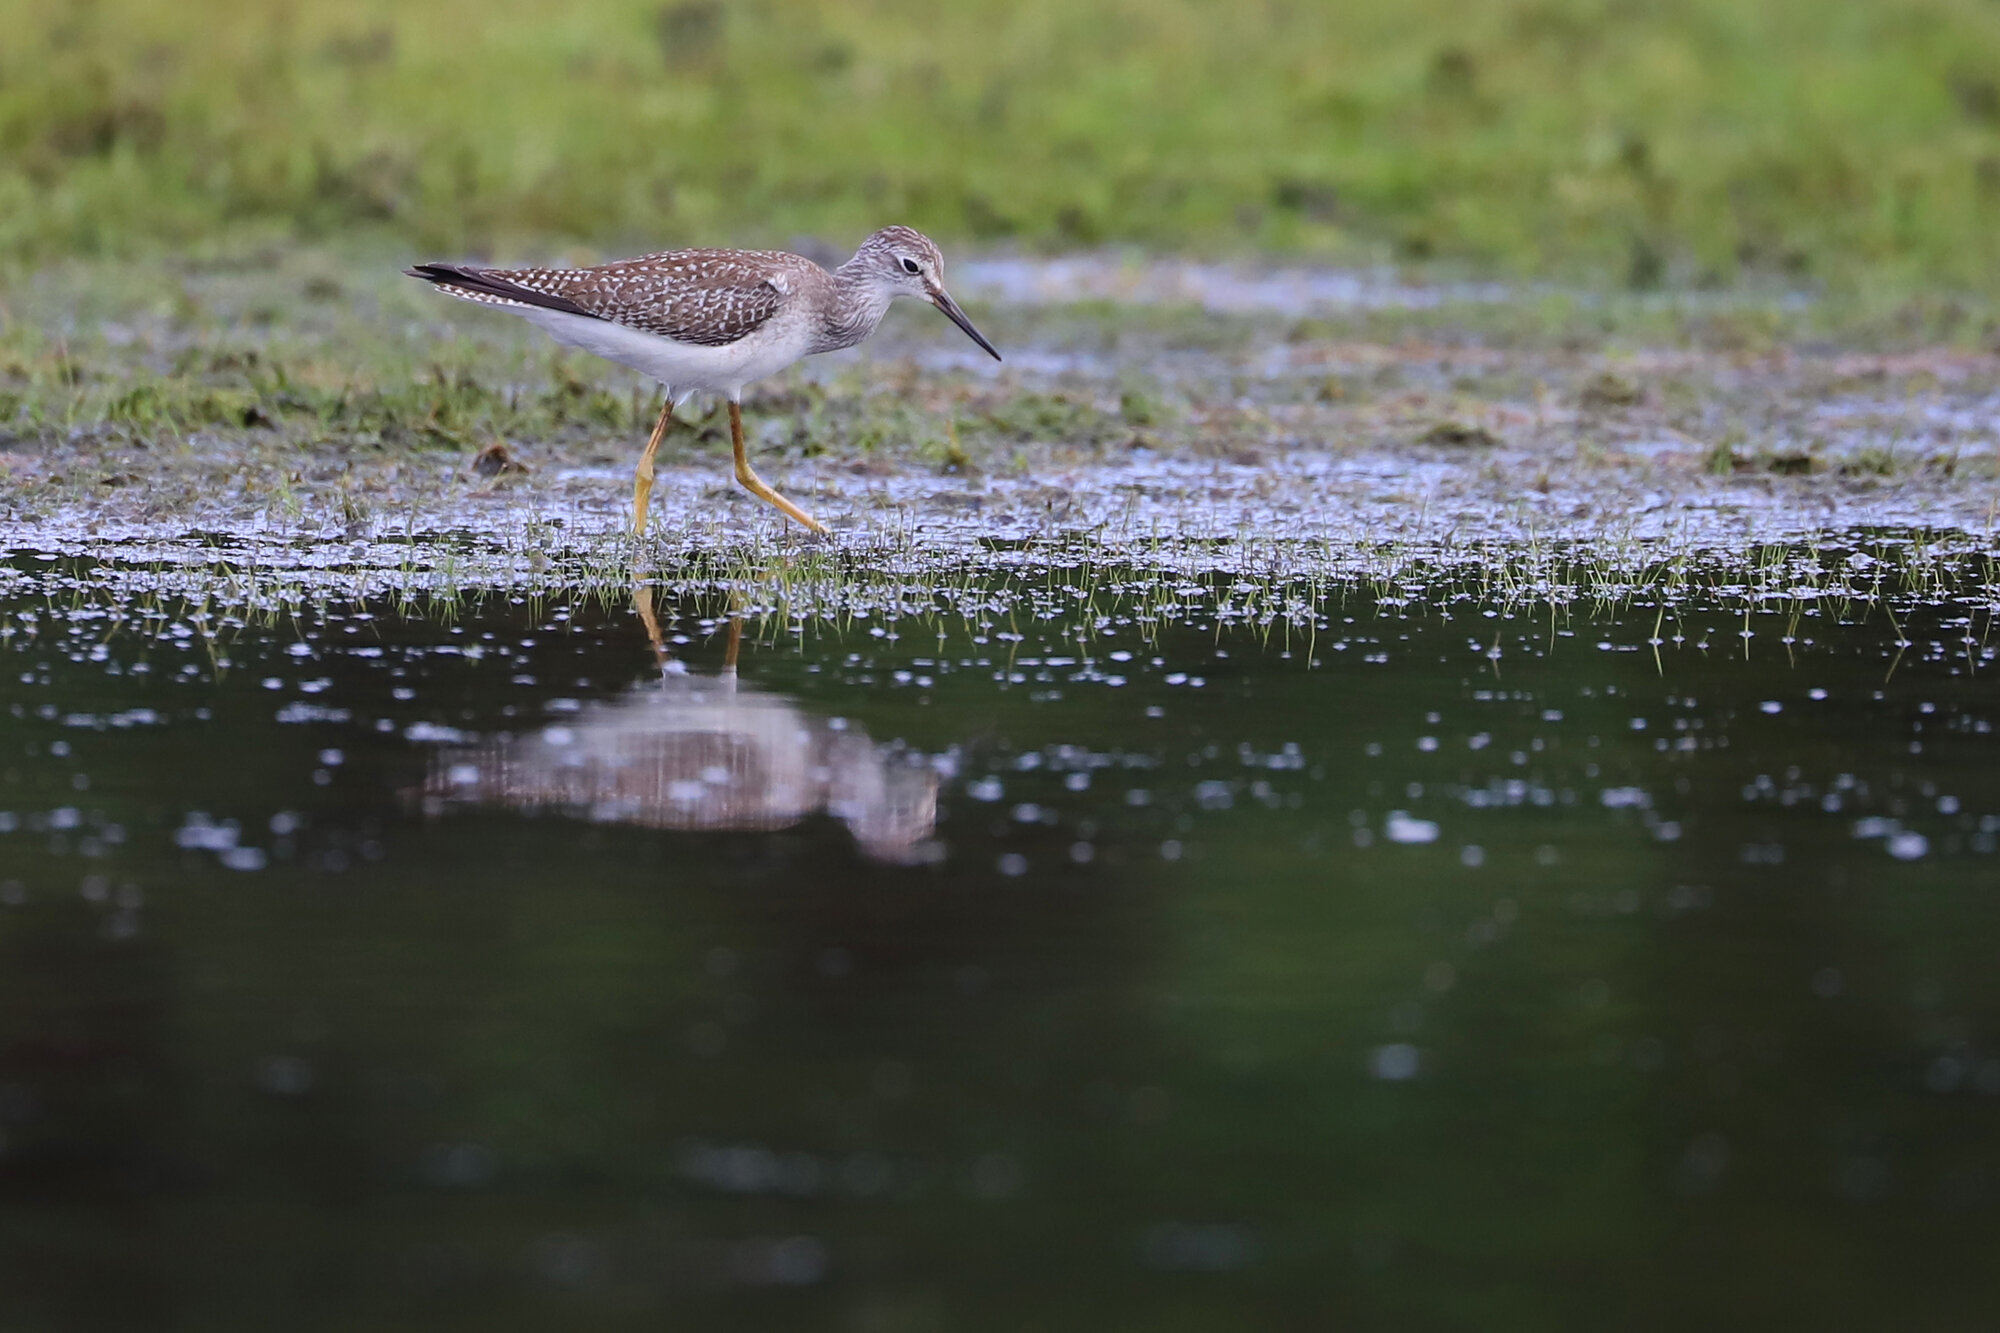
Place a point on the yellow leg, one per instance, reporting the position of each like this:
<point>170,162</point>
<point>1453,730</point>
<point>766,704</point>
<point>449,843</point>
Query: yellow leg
<point>642,483</point>
<point>755,484</point>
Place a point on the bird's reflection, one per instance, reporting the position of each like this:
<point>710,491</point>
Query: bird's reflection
<point>699,752</point>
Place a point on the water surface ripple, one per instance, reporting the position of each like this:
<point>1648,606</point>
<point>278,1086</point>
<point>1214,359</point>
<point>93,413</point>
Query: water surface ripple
<point>1412,951</point>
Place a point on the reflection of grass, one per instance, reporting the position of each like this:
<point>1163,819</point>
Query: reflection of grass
<point>1844,140</point>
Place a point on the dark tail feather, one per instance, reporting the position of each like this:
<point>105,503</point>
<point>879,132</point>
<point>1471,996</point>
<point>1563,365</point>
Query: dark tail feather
<point>488,284</point>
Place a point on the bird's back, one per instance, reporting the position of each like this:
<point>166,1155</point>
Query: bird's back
<point>710,298</point>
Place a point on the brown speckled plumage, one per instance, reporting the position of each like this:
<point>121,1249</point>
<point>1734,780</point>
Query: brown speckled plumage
<point>707,297</point>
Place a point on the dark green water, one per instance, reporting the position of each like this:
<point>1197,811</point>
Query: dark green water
<point>464,972</point>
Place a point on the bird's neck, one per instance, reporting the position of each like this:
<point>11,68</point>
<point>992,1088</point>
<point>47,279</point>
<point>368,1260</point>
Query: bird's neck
<point>857,307</point>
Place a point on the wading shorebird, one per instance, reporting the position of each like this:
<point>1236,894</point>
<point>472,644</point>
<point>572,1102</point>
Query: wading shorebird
<point>711,321</point>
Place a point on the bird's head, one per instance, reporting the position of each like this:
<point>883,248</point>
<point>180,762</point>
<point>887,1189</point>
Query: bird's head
<point>904,262</point>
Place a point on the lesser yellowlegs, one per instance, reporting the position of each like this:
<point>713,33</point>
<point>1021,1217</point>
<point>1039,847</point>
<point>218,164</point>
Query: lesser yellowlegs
<point>711,321</point>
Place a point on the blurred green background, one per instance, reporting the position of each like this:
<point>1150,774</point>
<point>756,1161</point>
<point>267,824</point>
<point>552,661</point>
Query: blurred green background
<point>1844,144</point>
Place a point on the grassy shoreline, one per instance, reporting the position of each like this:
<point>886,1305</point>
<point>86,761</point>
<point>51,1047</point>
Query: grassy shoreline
<point>1851,146</point>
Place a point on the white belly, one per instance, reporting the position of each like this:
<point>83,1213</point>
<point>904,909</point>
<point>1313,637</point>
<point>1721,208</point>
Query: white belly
<point>683,368</point>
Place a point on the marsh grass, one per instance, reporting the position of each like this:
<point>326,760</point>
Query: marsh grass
<point>1850,143</point>
<point>1292,595</point>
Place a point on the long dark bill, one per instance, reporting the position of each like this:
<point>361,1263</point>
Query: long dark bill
<point>942,300</point>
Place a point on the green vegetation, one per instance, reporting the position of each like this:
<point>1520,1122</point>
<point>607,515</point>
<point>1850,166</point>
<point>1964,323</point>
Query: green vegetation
<point>1853,144</point>
<point>174,393</point>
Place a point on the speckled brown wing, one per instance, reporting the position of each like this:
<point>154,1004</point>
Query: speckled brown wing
<point>710,297</point>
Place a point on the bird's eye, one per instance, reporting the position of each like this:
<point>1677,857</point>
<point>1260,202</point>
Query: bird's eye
<point>911,266</point>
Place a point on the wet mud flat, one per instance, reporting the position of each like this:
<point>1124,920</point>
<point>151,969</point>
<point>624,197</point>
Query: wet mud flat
<point>313,396</point>
<point>1366,804</point>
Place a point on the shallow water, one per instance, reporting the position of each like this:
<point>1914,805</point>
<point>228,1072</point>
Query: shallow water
<point>1425,961</point>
